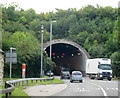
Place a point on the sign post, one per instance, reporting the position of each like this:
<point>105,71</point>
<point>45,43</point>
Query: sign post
<point>11,57</point>
<point>23,70</point>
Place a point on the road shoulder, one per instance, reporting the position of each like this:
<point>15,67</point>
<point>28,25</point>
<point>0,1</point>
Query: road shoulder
<point>45,90</point>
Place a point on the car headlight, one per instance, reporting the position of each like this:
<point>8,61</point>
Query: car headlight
<point>100,75</point>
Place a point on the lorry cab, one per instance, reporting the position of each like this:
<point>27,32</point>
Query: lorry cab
<point>105,69</point>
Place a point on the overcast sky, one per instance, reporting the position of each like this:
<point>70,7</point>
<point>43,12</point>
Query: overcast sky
<point>50,5</point>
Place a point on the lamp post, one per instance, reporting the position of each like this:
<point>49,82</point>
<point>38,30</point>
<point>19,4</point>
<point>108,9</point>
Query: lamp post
<point>11,61</point>
<point>51,41</point>
<point>51,37</point>
<point>42,30</point>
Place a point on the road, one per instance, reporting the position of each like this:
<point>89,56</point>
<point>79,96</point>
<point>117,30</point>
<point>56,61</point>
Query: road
<point>90,88</point>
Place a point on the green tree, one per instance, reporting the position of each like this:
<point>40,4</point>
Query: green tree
<point>115,57</point>
<point>48,63</point>
<point>23,42</point>
<point>14,26</point>
<point>35,25</point>
<point>94,28</point>
<point>96,50</point>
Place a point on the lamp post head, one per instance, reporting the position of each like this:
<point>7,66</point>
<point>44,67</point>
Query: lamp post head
<point>13,48</point>
<point>42,27</point>
<point>54,21</point>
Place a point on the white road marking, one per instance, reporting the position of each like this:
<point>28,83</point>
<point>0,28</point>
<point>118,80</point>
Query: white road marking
<point>104,93</point>
<point>80,90</point>
<point>112,88</point>
<point>108,88</point>
<point>116,88</point>
<point>98,88</point>
<point>104,81</point>
<point>83,89</point>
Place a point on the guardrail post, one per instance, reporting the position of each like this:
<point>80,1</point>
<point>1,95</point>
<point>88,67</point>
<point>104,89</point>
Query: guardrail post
<point>5,84</point>
<point>22,83</point>
<point>16,83</point>
<point>44,80</point>
<point>19,83</point>
<point>10,93</point>
<point>27,81</point>
<point>6,95</point>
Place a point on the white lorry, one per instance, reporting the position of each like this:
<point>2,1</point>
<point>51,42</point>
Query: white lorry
<point>99,68</point>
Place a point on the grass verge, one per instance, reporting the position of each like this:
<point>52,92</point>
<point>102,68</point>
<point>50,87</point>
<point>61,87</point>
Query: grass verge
<point>116,79</point>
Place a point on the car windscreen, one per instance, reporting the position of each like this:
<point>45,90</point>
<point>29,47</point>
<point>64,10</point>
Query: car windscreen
<point>66,73</point>
<point>76,74</point>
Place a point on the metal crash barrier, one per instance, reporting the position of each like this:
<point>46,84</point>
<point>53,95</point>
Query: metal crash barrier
<point>10,85</point>
<point>8,89</point>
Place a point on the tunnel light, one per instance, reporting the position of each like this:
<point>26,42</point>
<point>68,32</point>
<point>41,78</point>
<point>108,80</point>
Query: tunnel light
<point>53,53</point>
<point>62,56</point>
<point>78,53</point>
<point>54,57</point>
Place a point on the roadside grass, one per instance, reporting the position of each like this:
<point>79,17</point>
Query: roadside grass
<point>18,91</point>
<point>54,81</point>
<point>116,79</point>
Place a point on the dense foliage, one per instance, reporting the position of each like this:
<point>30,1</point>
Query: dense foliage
<point>94,28</point>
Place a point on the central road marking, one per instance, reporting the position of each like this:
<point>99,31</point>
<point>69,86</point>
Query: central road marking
<point>105,94</point>
<point>80,90</point>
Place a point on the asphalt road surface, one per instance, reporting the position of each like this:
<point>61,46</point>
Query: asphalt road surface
<point>90,88</point>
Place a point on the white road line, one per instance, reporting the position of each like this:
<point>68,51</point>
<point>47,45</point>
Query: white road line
<point>108,88</point>
<point>116,88</point>
<point>105,94</point>
<point>83,89</point>
<point>80,90</point>
<point>98,88</point>
<point>112,88</point>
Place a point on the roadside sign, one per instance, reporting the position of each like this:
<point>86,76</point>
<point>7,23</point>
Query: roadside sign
<point>14,55</point>
<point>13,58</point>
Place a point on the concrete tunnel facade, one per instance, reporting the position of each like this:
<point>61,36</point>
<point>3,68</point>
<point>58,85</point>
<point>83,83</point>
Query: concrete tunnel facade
<point>67,54</point>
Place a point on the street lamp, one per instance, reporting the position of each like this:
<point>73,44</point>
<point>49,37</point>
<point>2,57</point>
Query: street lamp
<point>42,30</point>
<point>51,37</point>
<point>51,41</point>
<point>11,60</point>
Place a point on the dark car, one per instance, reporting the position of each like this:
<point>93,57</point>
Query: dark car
<point>65,75</point>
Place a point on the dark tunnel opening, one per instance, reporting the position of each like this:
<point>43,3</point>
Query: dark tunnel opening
<point>67,57</point>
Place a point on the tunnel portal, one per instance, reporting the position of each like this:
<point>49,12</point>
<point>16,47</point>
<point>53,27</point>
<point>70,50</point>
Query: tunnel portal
<point>67,55</point>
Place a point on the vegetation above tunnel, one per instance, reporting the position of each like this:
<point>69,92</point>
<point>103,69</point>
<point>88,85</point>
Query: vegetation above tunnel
<point>94,28</point>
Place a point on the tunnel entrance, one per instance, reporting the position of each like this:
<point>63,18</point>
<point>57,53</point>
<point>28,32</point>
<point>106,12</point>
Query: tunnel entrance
<point>67,55</point>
